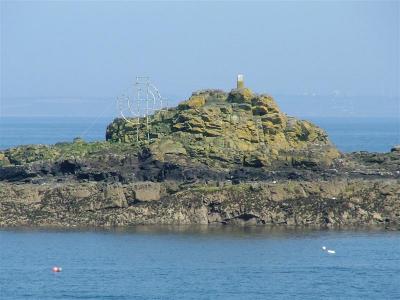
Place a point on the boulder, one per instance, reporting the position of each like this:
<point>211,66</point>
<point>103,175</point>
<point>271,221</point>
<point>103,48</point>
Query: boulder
<point>243,95</point>
<point>143,191</point>
<point>195,101</point>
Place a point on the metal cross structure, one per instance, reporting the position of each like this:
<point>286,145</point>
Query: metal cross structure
<point>139,103</point>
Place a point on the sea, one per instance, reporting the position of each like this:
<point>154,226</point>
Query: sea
<point>221,262</point>
<point>199,262</point>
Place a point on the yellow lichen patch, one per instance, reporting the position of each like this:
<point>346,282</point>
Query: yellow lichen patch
<point>279,142</point>
<point>244,146</point>
<point>243,133</point>
<point>194,102</point>
<point>251,126</point>
<point>244,95</point>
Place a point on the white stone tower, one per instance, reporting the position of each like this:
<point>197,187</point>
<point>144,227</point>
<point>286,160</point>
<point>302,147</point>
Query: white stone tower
<point>240,82</point>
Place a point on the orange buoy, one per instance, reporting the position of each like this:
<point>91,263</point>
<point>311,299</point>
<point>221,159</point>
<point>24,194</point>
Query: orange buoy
<point>56,269</point>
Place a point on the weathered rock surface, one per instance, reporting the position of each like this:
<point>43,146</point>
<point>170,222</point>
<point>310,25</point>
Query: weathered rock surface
<point>336,202</point>
<point>228,158</point>
<point>221,129</point>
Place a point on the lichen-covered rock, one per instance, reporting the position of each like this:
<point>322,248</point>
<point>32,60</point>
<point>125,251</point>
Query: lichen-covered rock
<point>194,102</point>
<point>243,95</point>
<point>230,128</point>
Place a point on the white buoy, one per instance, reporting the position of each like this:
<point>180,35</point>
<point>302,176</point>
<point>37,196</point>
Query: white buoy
<point>328,250</point>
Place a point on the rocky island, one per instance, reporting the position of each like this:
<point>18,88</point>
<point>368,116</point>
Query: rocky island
<point>216,158</point>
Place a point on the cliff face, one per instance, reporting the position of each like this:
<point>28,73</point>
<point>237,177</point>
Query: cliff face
<point>228,158</point>
<point>225,129</point>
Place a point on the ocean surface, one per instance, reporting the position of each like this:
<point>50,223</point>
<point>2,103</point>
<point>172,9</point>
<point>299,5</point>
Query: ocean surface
<point>348,134</point>
<point>148,262</point>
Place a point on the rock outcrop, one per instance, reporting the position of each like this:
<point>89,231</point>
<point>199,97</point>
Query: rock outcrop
<point>226,129</point>
<point>303,203</point>
<point>227,158</point>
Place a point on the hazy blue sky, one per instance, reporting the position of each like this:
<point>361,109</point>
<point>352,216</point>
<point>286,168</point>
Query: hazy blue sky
<point>89,49</point>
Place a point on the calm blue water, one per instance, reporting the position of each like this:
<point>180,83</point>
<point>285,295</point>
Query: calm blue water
<point>348,134</point>
<point>49,130</point>
<point>361,134</point>
<point>199,263</point>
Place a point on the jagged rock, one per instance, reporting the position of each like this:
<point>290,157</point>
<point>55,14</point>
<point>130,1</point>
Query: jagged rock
<point>227,126</point>
<point>195,101</point>
<point>243,95</point>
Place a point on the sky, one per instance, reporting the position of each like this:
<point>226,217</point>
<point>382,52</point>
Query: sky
<point>75,57</point>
